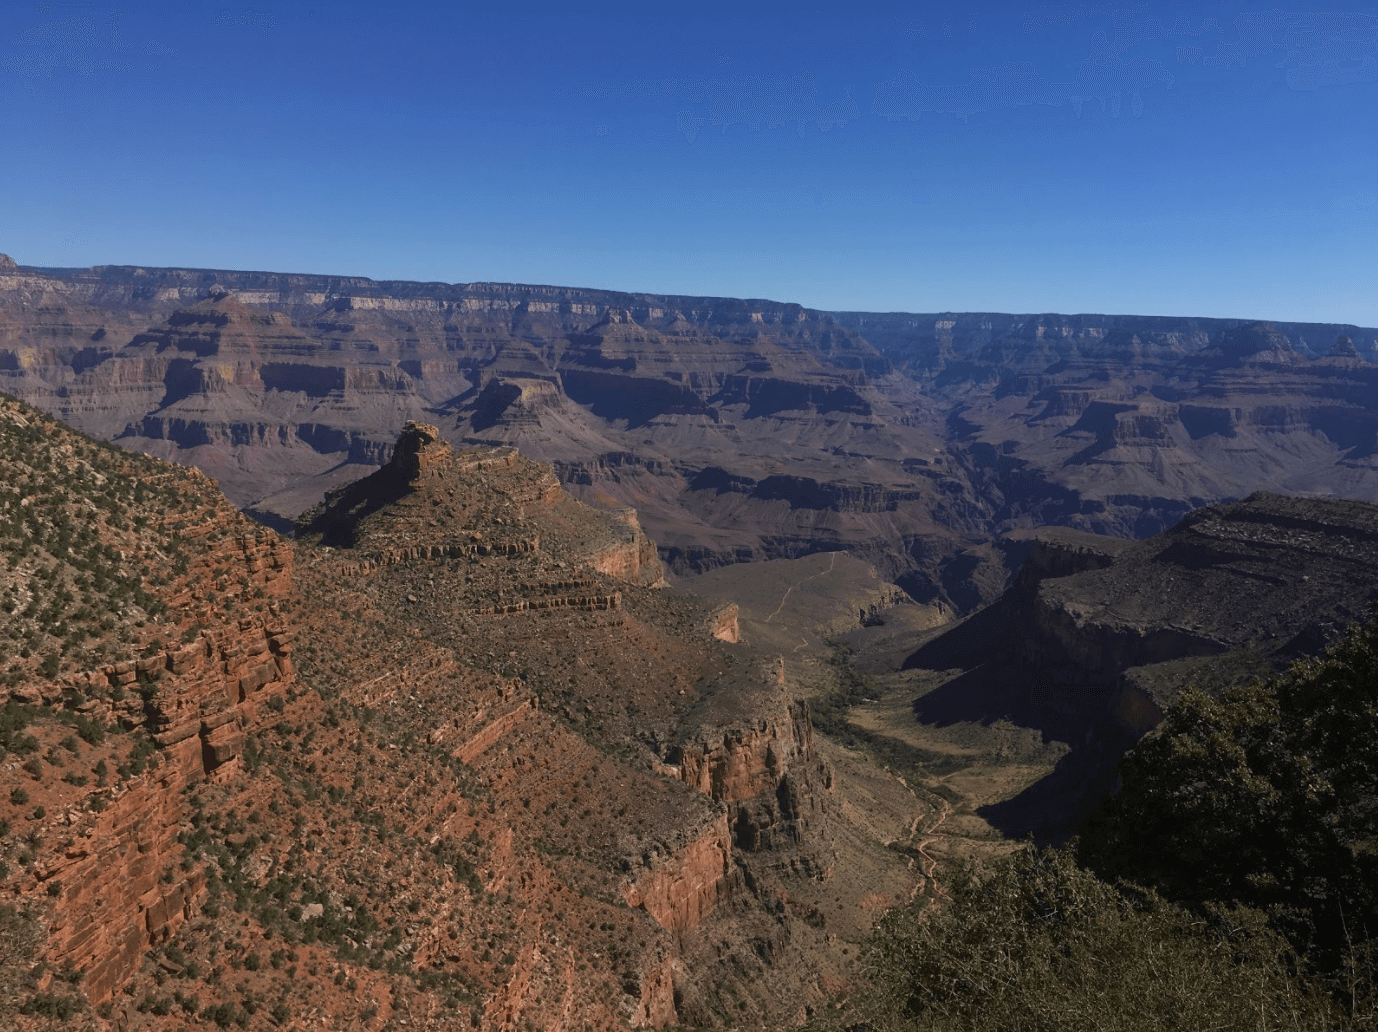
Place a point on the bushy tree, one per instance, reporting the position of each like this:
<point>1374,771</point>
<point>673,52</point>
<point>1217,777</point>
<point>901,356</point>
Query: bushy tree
<point>1036,943</point>
<point>1266,797</point>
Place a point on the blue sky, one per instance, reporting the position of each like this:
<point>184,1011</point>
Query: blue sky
<point>1213,159</point>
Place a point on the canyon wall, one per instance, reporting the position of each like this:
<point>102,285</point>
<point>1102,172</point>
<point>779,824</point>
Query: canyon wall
<point>682,885</point>
<point>116,870</point>
<point>1233,591</point>
<point>756,756</point>
<point>739,429</point>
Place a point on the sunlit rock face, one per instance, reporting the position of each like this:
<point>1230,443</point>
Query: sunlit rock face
<point>738,429</point>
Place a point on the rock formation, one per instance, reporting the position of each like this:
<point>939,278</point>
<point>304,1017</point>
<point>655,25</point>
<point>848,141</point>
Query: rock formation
<point>1097,636</point>
<point>455,757</point>
<point>196,678</point>
<point>1272,575</point>
<point>739,429</point>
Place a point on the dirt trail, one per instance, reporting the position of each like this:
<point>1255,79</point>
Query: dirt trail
<point>929,871</point>
<point>832,561</point>
<point>928,864</point>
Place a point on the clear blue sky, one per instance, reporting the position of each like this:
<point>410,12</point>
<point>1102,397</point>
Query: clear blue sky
<point>1216,159</point>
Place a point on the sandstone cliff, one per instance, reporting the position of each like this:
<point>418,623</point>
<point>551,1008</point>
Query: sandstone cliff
<point>417,773</point>
<point>205,662</point>
<point>739,429</point>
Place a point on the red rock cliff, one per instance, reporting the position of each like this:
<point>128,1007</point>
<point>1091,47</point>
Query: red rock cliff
<point>116,870</point>
<point>683,886</point>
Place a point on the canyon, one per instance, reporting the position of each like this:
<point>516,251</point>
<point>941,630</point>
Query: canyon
<point>738,429</point>
<point>1098,636</point>
<point>341,726</point>
<point>455,756</point>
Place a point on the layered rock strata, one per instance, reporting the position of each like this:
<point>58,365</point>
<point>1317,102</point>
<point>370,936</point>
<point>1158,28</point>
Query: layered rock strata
<point>112,856</point>
<point>1246,586</point>
<point>740,429</point>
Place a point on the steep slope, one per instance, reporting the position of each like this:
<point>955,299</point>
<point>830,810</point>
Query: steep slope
<point>1098,635</point>
<point>139,602</point>
<point>711,804</point>
<point>465,765</point>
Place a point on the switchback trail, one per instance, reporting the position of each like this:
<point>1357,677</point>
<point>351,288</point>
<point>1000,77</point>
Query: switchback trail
<point>832,561</point>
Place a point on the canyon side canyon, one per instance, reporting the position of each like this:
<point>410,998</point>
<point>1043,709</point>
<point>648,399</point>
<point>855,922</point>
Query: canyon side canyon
<point>350,678</point>
<point>738,429</point>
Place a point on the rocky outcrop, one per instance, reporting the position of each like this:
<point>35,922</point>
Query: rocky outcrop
<point>435,495</point>
<point>419,450</point>
<point>758,761</point>
<point>1060,552</point>
<point>633,558</point>
<point>475,547</point>
<point>1262,581</point>
<point>120,885</point>
<point>682,885</point>
<point>723,623</point>
<point>750,758</point>
<point>1065,634</point>
<point>587,603</point>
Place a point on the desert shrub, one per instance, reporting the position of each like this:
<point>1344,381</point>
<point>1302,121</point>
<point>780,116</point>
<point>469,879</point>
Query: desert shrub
<point>226,1014</point>
<point>1037,943</point>
<point>91,731</point>
<point>154,1004</point>
<point>53,1005</point>
<point>14,720</point>
<point>1266,797</point>
<point>20,935</point>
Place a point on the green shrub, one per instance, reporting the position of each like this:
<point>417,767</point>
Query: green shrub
<point>1038,944</point>
<point>51,1005</point>
<point>1266,797</point>
<point>14,719</point>
<point>91,731</point>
